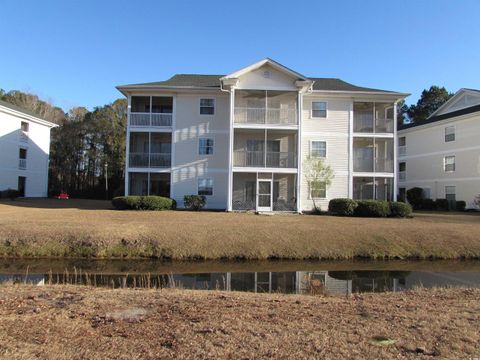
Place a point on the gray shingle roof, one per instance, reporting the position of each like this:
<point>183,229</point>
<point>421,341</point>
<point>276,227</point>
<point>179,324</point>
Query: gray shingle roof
<point>213,81</point>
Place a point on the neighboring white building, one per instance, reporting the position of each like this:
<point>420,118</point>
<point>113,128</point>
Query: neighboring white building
<point>241,139</point>
<point>442,154</point>
<point>24,151</point>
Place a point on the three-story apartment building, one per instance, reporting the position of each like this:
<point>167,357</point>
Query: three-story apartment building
<point>24,151</point>
<point>442,154</point>
<point>242,139</point>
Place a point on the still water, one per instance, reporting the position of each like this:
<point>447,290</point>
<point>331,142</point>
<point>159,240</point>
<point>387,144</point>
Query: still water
<point>301,277</point>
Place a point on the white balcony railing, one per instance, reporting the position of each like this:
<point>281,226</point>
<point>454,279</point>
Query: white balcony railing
<point>22,164</point>
<point>272,159</point>
<point>402,150</point>
<point>150,119</point>
<point>153,160</point>
<point>365,124</point>
<point>383,165</point>
<point>402,175</point>
<point>269,116</point>
<point>369,164</point>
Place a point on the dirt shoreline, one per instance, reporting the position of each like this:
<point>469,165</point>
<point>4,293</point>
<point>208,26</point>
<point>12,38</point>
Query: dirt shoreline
<point>67,322</point>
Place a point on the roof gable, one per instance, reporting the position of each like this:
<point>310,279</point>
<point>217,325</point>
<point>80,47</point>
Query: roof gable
<point>267,61</point>
<point>463,99</point>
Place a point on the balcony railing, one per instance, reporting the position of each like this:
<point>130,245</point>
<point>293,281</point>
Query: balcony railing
<point>364,124</point>
<point>402,175</point>
<point>273,159</point>
<point>265,116</point>
<point>22,164</point>
<point>152,160</point>
<point>150,119</point>
<point>369,164</point>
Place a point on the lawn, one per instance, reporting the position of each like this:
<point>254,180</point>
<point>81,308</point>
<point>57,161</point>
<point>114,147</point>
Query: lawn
<point>88,228</point>
<point>58,322</point>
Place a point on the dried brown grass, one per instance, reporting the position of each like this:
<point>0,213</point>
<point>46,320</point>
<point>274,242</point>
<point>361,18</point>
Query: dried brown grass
<point>83,228</point>
<point>55,322</point>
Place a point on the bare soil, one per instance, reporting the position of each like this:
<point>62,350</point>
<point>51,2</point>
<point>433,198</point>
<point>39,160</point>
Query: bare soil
<point>55,322</point>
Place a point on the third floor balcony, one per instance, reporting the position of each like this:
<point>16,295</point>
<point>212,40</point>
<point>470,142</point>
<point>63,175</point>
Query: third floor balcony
<point>370,117</point>
<point>151,111</point>
<point>266,107</point>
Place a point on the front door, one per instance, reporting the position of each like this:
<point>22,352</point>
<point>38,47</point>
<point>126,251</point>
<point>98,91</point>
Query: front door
<point>264,195</point>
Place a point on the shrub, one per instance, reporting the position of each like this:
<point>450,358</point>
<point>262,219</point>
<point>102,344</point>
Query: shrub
<point>441,204</point>
<point>460,205</point>
<point>194,202</point>
<point>372,208</point>
<point>428,204</point>
<point>415,197</point>
<point>342,207</point>
<point>400,209</point>
<point>10,194</point>
<point>143,203</point>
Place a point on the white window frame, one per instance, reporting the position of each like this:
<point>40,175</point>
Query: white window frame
<point>445,163</point>
<point>326,109</point>
<point>213,145</point>
<point>454,133</point>
<point>200,106</point>
<point>311,148</point>
<point>198,185</point>
<point>310,192</point>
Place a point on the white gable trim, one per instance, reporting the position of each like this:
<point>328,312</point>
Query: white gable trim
<point>261,63</point>
<point>454,99</point>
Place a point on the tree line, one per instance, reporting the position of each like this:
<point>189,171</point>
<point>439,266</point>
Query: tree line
<point>88,148</point>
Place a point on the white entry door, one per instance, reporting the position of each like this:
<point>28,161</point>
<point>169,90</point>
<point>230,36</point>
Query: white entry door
<point>264,195</point>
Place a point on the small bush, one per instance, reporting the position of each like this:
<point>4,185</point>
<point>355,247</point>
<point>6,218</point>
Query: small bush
<point>342,207</point>
<point>194,202</point>
<point>415,197</point>
<point>441,204</point>
<point>428,204</point>
<point>372,208</point>
<point>400,209</point>
<point>460,205</point>
<point>143,203</point>
<point>10,194</point>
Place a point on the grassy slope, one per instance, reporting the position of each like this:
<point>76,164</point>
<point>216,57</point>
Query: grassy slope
<point>90,228</point>
<point>79,322</point>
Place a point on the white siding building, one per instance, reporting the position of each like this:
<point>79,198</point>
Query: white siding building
<point>24,151</point>
<point>241,139</point>
<point>442,154</point>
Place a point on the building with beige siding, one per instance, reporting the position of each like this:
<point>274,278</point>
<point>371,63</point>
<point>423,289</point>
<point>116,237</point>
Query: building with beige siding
<point>242,139</point>
<point>442,154</point>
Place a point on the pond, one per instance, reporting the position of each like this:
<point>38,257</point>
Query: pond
<point>301,277</point>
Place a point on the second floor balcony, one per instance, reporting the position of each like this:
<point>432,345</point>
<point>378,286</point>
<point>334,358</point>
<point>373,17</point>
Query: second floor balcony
<point>373,155</point>
<point>150,150</point>
<point>266,107</point>
<point>151,111</point>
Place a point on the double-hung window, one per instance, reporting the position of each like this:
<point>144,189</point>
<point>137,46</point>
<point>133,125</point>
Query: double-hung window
<point>318,190</point>
<point>449,133</point>
<point>319,109</point>
<point>205,146</point>
<point>318,149</point>
<point>207,106</point>
<point>205,186</point>
<point>449,163</point>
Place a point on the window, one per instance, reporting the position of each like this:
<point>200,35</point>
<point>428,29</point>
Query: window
<point>22,154</point>
<point>319,109</point>
<point>427,193</point>
<point>402,166</point>
<point>450,193</point>
<point>207,106</point>
<point>318,149</point>
<point>205,146</point>
<point>449,133</point>
<point>25,126</point>
<point>449,163</point>
<point>205,186</point>
<point>318,190</point>
<point>402,141</point>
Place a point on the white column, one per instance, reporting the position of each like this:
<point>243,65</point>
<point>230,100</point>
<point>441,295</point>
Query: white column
<point>350,151</point>
<point>127,146</point>
<point>395,149</point>
<point>230,151</point>
<point>299,151</point>
<point>173,140</point>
